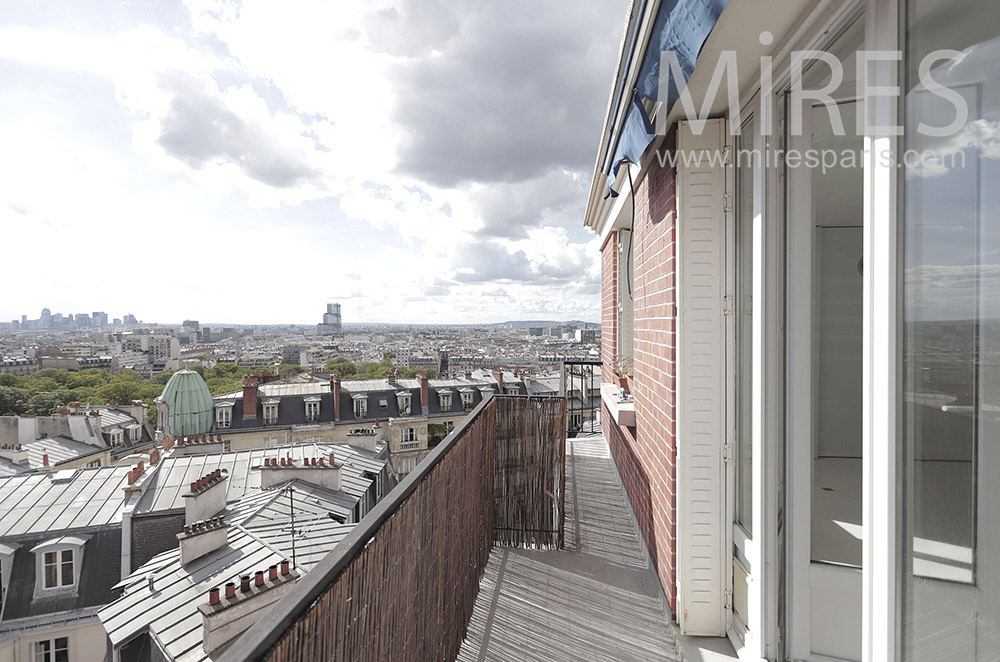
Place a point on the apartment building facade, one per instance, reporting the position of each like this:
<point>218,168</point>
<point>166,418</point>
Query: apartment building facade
<point>799,267</point>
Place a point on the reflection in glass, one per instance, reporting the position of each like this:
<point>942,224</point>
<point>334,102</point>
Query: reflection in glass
<point>951,337</point>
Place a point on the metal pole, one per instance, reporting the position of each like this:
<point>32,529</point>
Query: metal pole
<point>291,505</point>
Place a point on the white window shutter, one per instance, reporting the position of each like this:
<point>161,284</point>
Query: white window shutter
<point>701,497</point>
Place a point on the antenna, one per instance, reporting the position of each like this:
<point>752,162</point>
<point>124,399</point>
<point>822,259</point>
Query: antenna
<point>291,505</point>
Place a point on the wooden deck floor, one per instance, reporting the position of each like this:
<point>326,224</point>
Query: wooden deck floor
<point>595,600</point>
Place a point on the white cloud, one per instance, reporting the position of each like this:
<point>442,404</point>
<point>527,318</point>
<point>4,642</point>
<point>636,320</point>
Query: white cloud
<point>269,137</point>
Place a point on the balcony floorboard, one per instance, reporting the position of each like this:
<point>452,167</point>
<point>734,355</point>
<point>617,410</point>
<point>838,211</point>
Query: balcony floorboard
<point>597,599</point>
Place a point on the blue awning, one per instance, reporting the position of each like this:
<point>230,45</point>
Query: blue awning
<point>681,26</point>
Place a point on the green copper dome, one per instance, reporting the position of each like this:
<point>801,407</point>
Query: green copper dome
<point>189,404</point>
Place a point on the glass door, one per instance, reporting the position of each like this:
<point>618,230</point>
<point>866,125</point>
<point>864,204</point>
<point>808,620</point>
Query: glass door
<point>951,332</point>
<point>825,191</point>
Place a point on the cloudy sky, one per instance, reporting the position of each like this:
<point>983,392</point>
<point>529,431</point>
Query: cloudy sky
<point>415,160</point>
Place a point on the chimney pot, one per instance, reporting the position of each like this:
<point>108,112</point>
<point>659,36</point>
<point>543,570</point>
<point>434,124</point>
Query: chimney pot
<point>258,578</point>
<point>272,572</point>
<point>284,567</point>
<point>245,583</point>
<point>230,590</point>
<point>194,486</point>
<point>333,459</point>
<point>322,462</point>
<point>45,459</point>
<point>213,596</point>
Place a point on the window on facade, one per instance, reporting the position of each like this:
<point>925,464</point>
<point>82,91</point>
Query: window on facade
<point>404,403</point>
<point>57,569</point>
<point>950,276</point>
<point>409,434</point>
<point>270,414</point>
<point>223,417</point>
<point>312,411</point>
<point>94,463</point>
<point>449,426</point>
<point>271,442</point>
<point>361,408</point>
<point>51,650</point>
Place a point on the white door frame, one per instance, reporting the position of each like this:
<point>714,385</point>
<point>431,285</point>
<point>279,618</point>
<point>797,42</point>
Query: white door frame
<point>759,638</point>
<point>803,579</point>
<point>882,374</point>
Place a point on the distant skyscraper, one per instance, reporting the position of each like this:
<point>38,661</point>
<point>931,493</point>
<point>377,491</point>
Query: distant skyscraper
<point>45,321</point>
<point>99,319</point>
<point>331,321</point>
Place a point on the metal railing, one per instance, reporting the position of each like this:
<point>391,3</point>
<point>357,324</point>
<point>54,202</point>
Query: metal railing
<point>402,585</point>
<point>580,383</point>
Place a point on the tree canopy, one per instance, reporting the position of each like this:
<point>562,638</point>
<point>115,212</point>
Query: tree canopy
<point>370,370</point>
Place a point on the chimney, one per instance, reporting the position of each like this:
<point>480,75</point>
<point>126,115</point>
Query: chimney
<point>223,618</point>
<point>366,438</point>
<point>16,453</point>
<point>45,459</point>
<point>250,397</point>
<point>468,374</point>
<point>311,470</point>
<point>200,538</point>
<point>137,410</point>
<point>498,375</point>
<point>207,497</point>
<point>335,389</point>
<point>425,397</point>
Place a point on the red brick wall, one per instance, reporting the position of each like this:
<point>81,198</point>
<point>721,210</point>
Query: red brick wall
<point>646,455</point>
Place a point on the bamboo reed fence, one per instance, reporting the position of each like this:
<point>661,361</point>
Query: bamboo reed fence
<point>403,584</point>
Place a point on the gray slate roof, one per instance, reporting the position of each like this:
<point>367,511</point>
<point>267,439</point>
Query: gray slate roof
<point>59,449</point>
<point>260,536</point>
<point>46,501</point>
<point>170,610</point>
<point>176,474</point>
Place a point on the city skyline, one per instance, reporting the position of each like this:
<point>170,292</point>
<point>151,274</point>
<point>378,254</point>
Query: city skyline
<point>136,320</point>
<point>376,198</point>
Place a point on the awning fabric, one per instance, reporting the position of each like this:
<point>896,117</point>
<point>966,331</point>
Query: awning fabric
<point>681,26</point>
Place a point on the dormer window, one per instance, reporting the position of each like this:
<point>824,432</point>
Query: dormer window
<point>312,410</point>
<point>134,433</point>
<point>510,390</point>
<point>403,400</point>
<point>224,416</point>
<point>361,406</point>
<point>57,565</point>
<point>117,437</point>
<point>270,412</point>
<point>57,569</point>
<point>467,394</point>
<point>445,398</point>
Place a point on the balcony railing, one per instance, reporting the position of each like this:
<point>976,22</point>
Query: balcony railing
<point>403,584</point>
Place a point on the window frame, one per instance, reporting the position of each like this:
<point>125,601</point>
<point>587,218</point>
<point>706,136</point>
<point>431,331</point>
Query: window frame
<point>360,407</point>
<point>224,417</point>
<point>312,410</point>
<point>58,546</point>
<point>36,655</point>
